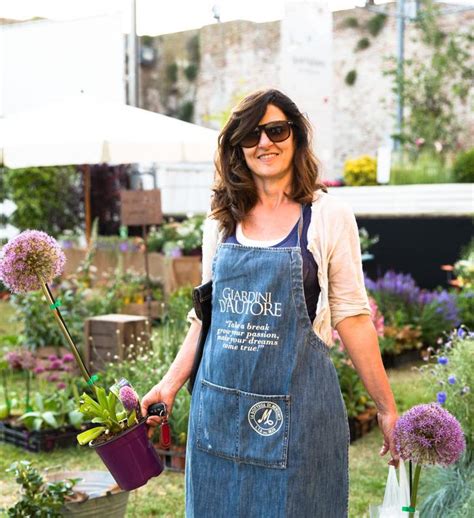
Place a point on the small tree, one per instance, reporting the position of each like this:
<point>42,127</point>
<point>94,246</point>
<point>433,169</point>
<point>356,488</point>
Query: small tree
<point>433,86</point>
<point>48,198</point>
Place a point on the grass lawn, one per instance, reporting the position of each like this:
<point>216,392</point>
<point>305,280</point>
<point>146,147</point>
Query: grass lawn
<point>164,496</point>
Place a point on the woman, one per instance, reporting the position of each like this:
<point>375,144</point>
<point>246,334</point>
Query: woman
<point>268,431</point>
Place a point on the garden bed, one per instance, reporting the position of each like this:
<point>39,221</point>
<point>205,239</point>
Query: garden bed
<point>37,441</point>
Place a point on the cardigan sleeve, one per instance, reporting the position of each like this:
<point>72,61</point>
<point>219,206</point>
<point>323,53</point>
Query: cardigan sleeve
<point>346,289</point>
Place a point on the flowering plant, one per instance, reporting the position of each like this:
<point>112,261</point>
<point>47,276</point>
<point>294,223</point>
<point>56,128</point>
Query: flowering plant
<point>114,413</point>
<point>361,171</point>
<point>428,435</point>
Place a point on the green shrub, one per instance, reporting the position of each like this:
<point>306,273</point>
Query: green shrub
<point>172,72</point>
<point>362,44</point>
<point>463,167</point>
<point>351,21</point>
<point>426,168</point>
<point>186,111</point>
<point>376,23</point>
<point>191,72</point>
<point>351,77</point>
<point>56,203</point>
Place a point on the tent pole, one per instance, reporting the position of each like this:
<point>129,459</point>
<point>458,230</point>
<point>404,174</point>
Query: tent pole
<point>87,200</point>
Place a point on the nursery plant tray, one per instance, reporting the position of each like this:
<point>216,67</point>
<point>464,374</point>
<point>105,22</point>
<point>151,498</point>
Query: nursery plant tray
<point>36,441</point>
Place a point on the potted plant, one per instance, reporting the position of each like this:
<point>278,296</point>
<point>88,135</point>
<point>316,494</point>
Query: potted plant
<point>28,262</point>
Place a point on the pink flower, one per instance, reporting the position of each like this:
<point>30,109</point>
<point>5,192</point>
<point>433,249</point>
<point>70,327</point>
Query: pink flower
<point>61,385</point>
<point>29,257</point>
<point>68,357</point>
<point>39,369</point>
<point>53,377</point>
<point>419,142</point>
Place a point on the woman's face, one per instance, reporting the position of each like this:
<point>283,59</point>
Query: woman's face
<point>267,159</point>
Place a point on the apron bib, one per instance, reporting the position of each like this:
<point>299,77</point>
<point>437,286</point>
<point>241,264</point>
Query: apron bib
<point>268,432</point>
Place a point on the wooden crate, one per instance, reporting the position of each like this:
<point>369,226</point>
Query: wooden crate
<point>114,337</point>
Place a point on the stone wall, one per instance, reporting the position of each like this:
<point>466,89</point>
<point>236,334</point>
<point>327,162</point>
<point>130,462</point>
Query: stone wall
<point>238,57</point>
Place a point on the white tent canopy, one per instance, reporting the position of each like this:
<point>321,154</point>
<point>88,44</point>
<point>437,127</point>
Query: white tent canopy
<point>83,130</point>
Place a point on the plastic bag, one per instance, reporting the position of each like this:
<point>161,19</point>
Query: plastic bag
<point>396,497</point>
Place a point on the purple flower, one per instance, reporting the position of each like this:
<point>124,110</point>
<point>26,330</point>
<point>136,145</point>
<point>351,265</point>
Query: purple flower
<point>429,434</point>
<point>53,377</point>
<point>442,360</point>
<point>68,358</point>
<point>39,369</point>
<point>123,247</point>
<point>61,385</point>
<point>29,257</point>
<point>441,397</point>
<point>452,379</point>
<point>128,397</point>
<point>14,360</point>
<point>56,365</point>
<point>52,358</point>
<point>21,360</point>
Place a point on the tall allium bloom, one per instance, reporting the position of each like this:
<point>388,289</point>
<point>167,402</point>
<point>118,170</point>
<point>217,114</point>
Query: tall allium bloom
<point>128,398</point>
<point>27,258</point>
<point>429,434</point>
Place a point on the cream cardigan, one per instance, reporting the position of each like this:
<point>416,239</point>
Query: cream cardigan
<point>333,239</point>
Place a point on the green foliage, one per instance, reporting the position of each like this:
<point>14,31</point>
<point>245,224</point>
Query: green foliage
<point>38,498</point>
<point>186,111</point>
<point>47,198</point>
<point>351,22</point>
<point>433,87</point>
<point>103,410</point>
<point>191,72</point>
<point>362,44</point>
<point>424,168</point>
<point>376,23</point>
<point>463,167</point>
<point>172,72</point>
<point>365,240</point>
<point>52,412</point>
<point>351,77</point>
<point>449,491</point>
<point>194,49</point>
<point>185,236</point>
<point>355,396</point>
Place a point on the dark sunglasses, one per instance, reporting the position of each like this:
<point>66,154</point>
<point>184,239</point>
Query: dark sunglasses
<point>276,131</point>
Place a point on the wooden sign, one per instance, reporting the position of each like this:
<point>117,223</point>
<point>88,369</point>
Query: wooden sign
<point>141,207</point>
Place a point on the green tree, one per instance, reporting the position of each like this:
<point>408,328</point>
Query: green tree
<point>433,86</point>
<point>46,198</point>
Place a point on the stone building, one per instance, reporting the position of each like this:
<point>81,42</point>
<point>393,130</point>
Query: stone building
<point>199,75</point>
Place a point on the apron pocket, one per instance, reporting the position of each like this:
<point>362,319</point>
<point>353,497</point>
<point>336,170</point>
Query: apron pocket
<point>246,427</point>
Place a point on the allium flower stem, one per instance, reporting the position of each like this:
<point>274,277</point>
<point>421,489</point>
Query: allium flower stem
<point>413,494</point>
<point>62,326</point>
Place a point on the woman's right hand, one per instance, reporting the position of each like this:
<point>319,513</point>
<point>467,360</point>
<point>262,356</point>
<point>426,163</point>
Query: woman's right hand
<point>160,393</point>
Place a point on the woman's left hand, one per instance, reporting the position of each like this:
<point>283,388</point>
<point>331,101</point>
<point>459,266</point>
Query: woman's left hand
<point>387,422</point>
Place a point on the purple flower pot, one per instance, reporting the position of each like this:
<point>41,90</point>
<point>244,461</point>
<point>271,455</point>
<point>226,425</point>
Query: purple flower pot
<point>130,457</point>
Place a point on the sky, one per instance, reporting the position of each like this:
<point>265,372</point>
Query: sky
<point>162,16</point>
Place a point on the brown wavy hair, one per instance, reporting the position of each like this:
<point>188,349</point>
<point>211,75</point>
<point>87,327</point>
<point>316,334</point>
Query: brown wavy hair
<point>234,190</point>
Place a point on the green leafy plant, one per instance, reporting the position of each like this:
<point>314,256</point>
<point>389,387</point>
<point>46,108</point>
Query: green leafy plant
<point>433,86</point>
<point>366,241</point>
<point>351,77</point>
<point>376,24</point>
<point>185,236</point>
<point>463,167</point>
<point>420,168</point>
<point>52,412</point>
<point>362,44</point>
<point>109,412</point>
<point>56,203</point>
<point>38,498</point>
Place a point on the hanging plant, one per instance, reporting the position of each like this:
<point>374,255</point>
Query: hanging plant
<point>351,77</point>
<point>362,44</point>
<point>376,24</point>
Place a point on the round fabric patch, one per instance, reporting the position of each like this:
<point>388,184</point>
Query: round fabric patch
<point>265,417</point>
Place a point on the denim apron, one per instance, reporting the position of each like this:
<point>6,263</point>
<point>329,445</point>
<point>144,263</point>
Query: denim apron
<point>268,433</point>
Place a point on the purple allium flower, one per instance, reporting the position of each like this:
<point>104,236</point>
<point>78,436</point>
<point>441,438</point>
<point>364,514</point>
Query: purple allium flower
<point>53,378</point>
<point>56,365</point>
<point>452,379</point>
<point>14,360</point>
<point>39,369</point>
<point>29,256</point>
<point>441,397</point>
<point>52,358</point>
<point>28,360</point>
<point>128,397</point>
<point>429,434</point>
<point>68,358</point>
<point>61,385</point>
<point>442,360</point>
